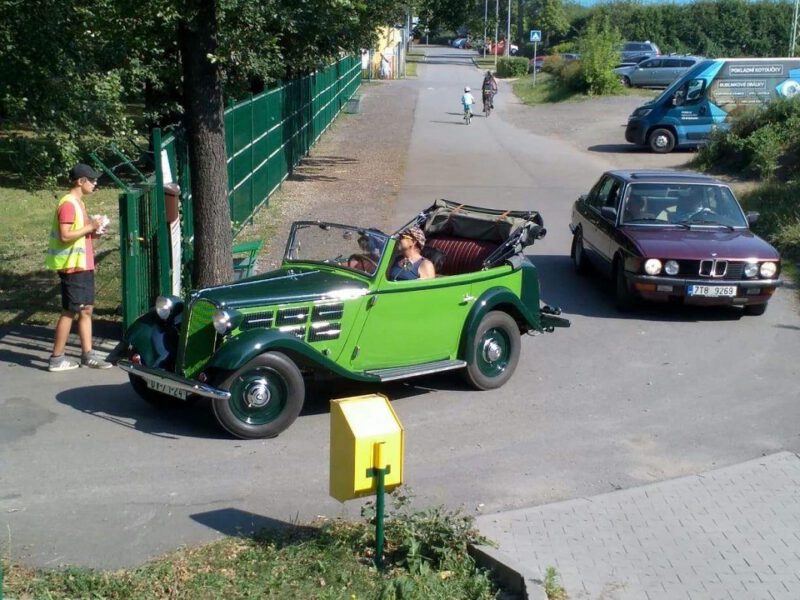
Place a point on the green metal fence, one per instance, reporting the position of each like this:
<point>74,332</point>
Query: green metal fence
<point>266,137</point>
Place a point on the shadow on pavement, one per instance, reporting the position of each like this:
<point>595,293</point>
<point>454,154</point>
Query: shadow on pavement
<point>241,523</point>
<point>120,405</point>
<point>593,296</point>
<point>30,345</point>
<point>449,122</point>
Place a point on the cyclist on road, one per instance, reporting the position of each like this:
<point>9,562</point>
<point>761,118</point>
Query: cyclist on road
<point>489,89</point>
<point>467,100</point>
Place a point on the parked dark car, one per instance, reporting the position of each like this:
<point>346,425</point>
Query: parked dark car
<point>669,236</point>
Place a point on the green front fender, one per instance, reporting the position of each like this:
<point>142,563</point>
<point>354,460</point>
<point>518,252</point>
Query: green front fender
<point>497,298</point>
<point>240,350</point>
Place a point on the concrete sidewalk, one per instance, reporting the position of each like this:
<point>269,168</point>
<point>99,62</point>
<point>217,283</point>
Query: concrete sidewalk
<point>732,533</point>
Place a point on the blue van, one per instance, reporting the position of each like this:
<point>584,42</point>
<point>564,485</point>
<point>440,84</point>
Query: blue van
<point>706,95</point>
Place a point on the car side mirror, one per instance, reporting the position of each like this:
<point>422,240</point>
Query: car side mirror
<point>752,217</point>
<point>582,197</point>
<point>609,212</point>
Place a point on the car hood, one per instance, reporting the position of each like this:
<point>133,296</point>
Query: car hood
<point>287,285</point>
<point>698,243</point>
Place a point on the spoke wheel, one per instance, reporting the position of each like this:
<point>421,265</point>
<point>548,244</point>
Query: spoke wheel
<point>267,395</point>
<point>495,351</point>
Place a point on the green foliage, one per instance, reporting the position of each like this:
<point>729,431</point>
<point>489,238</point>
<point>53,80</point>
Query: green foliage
<point>599,56</point>
<point>552,585</point>
<point>778,204</point>
<point>512,66</point>
<point>762,142</point>
<point>426,551</point>
<point>73,69</point>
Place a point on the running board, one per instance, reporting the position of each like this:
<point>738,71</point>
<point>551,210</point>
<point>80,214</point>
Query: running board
<point>416,370</point>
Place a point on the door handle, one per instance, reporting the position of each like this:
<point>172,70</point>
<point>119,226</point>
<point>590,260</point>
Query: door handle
<point>467,299</point>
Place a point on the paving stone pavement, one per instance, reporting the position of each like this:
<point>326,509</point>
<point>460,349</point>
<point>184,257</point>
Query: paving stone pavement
<point>732,533</point>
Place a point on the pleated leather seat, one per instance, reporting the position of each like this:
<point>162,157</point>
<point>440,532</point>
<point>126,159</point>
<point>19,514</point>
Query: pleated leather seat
<point>462,255</point>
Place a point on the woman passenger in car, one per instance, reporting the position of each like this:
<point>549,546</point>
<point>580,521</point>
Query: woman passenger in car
<point>411,264</point>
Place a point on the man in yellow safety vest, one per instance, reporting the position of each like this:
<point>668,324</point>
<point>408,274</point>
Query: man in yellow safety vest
<point>71,254</point>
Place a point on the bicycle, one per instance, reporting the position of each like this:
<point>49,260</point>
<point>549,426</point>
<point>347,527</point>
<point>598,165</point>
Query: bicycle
<point>488,102</point>
<point>467,115</point>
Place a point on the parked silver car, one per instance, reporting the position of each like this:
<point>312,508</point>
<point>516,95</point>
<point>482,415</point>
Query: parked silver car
<point>631,50</point>
<point>656,72</point>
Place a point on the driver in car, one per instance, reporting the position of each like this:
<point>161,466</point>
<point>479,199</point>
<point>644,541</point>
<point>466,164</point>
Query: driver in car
<point>690,205</point>
<point>411,264</point>
<point>367,259</point>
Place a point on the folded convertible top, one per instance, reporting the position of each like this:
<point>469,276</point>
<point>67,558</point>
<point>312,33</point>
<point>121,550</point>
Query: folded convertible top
<point>476,223</point>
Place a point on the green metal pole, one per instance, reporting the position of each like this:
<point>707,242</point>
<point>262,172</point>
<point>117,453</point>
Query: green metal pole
<point>380,474</point>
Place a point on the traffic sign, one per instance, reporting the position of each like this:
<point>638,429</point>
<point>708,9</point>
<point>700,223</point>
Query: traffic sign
<point>536,35</point>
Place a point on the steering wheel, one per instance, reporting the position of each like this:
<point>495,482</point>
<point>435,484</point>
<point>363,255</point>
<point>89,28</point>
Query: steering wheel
<point>362,262</point>
<point>703,211</point>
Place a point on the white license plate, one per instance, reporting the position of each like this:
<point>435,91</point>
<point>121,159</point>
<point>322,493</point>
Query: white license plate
<point>713,291</point>
<point>168,389</point>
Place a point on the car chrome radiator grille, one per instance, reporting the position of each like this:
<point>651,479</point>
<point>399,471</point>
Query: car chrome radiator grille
<point>200,338</point>
<point>712,269</point>
<point>323,325</point>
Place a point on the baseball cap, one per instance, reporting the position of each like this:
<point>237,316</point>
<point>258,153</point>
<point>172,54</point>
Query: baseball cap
<point>82,170</point>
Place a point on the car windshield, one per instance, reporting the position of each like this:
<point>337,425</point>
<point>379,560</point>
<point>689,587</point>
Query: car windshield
<point>340,245</point>
<point>682,205</point>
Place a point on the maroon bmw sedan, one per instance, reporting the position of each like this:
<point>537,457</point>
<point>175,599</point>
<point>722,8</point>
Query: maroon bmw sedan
<point>671,236</point>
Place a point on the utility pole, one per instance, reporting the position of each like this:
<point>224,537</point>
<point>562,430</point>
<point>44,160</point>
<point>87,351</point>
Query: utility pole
<point>508,31</point>
<point>496,29</point>
<point>485,24</point>
<point>795,29</point>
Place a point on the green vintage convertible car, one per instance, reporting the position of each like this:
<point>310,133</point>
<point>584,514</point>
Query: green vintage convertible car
<point>331,308</point>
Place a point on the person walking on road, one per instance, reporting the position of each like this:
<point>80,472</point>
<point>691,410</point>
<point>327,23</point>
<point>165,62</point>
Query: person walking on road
<point>71,254</point>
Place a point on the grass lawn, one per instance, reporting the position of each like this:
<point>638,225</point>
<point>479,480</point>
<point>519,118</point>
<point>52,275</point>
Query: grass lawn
<point>411,69</point>
<point>28,292</point>
<point>426,559</point>
<point>549,89</point>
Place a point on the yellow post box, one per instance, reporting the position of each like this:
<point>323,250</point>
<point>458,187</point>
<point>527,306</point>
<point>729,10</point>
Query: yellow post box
<point>358,424</point>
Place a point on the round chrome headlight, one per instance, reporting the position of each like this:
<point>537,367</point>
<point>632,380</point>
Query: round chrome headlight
<point>221,321</point>
<point>671,267</point>
<point>768,270</point>
<point>751,269</point>
<point>652,266</point>
<point>164,306</point>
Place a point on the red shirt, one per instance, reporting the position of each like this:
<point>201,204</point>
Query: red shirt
<point>66,216</point>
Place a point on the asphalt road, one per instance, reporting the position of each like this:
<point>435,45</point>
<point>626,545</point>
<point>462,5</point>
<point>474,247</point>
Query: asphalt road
<point>92,476</point>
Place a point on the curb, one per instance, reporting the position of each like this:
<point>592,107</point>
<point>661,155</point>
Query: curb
<point>514,577</point>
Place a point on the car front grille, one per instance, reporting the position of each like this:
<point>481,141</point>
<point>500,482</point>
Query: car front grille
<point>712,269</point>
<point>263,319</point>
<point>199,339</point>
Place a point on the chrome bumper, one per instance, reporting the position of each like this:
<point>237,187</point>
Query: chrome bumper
<point>166,381</point>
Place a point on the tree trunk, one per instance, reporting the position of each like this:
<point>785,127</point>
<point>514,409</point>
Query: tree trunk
<point>205,125</point>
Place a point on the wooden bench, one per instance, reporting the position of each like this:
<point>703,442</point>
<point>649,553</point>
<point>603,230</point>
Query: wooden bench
<point>244,258</point>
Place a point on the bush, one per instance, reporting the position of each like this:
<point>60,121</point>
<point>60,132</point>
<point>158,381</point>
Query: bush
<point>762,141</point>
<point>512,66</point>
<point>779,220</point>
<point>552,64</point>
<point>571,76</point>
<point>599,55</point>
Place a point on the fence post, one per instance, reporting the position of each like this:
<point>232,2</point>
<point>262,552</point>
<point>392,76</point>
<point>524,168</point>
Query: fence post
<point>160,215</point>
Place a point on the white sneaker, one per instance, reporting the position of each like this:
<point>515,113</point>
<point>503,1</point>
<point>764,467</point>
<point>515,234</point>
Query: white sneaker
<point>93,360</point>
<point>61,363</point>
